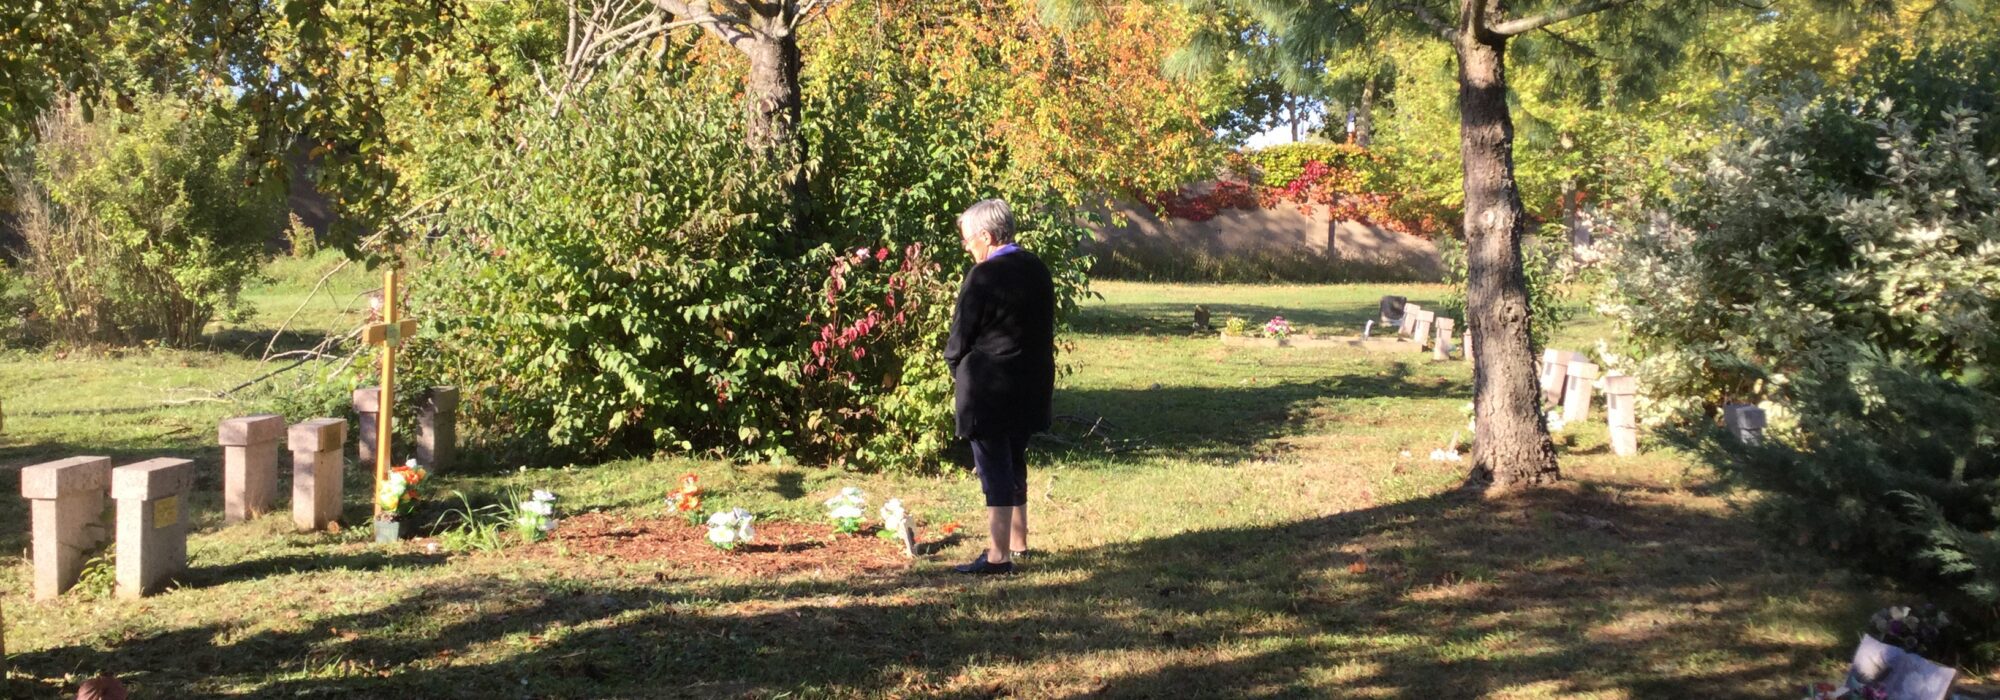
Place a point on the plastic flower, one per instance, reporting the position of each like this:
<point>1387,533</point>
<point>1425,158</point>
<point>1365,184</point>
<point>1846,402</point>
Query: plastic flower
<point>1556,422</point>
<point>688,497</point>
<point>729,528</point>
<point>535,517</point>
<point>1278,327</point>
<point>1443,455</point>
<point>397,495</point>
<point>847,508</point>
<point>893,515</point>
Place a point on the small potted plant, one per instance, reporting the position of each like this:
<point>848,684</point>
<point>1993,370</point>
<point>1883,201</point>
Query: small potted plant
<point>397,498</point>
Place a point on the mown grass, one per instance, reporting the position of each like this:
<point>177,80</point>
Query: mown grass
<point>1262,523</point>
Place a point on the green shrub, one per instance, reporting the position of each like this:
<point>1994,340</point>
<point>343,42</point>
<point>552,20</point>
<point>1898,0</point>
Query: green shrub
<point>140,227</point>
<point>1840,266</point>
<point>300,239</point>
<point>1281,164</point>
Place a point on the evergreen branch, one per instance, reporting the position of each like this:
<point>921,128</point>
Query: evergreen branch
<point>1425,15</point>
<point>1516,27</point>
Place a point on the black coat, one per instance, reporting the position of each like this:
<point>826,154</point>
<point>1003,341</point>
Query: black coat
<point>1002,349</point>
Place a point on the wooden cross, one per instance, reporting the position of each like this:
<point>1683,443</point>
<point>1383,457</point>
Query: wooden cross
<point>390,333</point>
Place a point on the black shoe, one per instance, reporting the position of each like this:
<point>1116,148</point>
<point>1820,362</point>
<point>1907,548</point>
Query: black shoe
<point>982,567</point>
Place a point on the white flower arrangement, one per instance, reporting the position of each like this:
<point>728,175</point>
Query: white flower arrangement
<point>728,528</point>
<point>847,509</point>
<point>1556,422</point>
<point>1445,455</point>
<point>535,517</point>
<point>893,515</point>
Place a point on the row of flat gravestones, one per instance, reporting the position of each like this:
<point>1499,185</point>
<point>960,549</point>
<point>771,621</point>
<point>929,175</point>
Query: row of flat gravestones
<point>66,497</point>
<point>1567,380</point>
<point>1421,326</point>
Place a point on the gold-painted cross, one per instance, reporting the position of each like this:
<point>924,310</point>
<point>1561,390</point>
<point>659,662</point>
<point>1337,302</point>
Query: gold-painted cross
<point>391,332</point>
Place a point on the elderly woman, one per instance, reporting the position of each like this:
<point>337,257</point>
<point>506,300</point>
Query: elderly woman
<point>1003,364</point>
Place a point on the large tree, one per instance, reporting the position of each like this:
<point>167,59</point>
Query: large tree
<point>1512,448</point>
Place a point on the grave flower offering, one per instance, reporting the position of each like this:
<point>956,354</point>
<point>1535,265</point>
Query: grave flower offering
<point>397,496</point>
<point>847,510</point>
<point>1916,630</point>
<point>729,528</point>
<point>536,516</point>
<point>686,498</point>
<point>1445,455</point>
<point>893,518</point>
<point>1556,422</point>
<point>1278,328</point>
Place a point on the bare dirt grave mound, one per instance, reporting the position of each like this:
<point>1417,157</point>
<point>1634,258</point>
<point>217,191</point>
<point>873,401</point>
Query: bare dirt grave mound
<point>781,548</point>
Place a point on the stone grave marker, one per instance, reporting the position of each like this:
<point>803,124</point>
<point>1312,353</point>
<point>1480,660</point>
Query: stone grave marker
<point>1200,317</point>
<point>1420,327</point>
<point>367,410</point>
<point>1392,309</point>
<point>1555,373</point>
<point>1367,329</point>
<point>1468,342</point>
<point>249,464</point>
<point>1621,410</point>
<point>1441,348</point>
<point>1745,422</point>
<point>152,523</point>
<point>1577,390</point>
<point>66,515</point>
<point>1409,319</point>
<point>437,428</point>
<point>316,472</point>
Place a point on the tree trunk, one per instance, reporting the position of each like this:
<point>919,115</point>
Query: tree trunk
<point>1511,448</point>
<point>773,102</point>
<point>1364,119</point>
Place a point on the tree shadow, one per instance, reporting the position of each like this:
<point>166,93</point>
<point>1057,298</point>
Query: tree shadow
<point>1444,596</point>
<point>1161,318</point>
<point>1221,423</point>
<point>252,343</point>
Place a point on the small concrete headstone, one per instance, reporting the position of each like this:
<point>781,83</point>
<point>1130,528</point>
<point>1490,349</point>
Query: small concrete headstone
<point>1420,327</point>
<point>1409,319</point>
<point>1367,329</point>
<point>908,536</point>
<point>66,512</point>
<point>152,523</point>
<point>1621,411</point>
<point>1441,348</point>
<point>1745,422</point>
<point>367,408</point>
<point>249,464</point>
<point>316,472</point>
<point>1392,309</point>
<point>1576,393</point>
<point>1468,342</point>
<point>437,428</point>
<point>1200,317</point>
<point>1555,374</point>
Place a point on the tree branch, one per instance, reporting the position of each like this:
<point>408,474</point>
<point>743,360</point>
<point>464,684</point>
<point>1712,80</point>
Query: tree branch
<point>732,30</point>
<point>1516,27</point>
<point>1425,15</point>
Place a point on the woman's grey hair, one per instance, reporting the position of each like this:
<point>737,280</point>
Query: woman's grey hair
<point>990,216</point>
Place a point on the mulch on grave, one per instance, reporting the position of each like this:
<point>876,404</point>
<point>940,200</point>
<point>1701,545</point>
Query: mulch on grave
<point>781,548</point>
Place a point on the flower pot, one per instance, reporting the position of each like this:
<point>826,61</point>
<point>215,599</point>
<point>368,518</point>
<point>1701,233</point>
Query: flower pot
<point>388,531</point>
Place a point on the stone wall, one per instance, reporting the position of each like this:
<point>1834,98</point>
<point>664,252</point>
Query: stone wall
<point>1282,233</point>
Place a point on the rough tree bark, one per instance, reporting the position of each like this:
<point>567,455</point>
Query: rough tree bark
<point>1511,448</point>
<point>1364,118</point>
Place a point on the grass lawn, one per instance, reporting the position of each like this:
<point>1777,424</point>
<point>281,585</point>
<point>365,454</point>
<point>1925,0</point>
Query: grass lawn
<point>1263,522</point>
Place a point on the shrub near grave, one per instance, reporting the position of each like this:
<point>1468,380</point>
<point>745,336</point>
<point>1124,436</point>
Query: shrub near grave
<point>1857,304</point>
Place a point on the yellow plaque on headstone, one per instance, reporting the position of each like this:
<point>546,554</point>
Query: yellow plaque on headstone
<point>166,512</point>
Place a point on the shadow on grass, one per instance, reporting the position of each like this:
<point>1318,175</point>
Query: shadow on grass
<point>367,560</point>
<point>251,343</point>
<point>1220,423</point>
<point>1178,318</point>
<point>1445,596</point>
